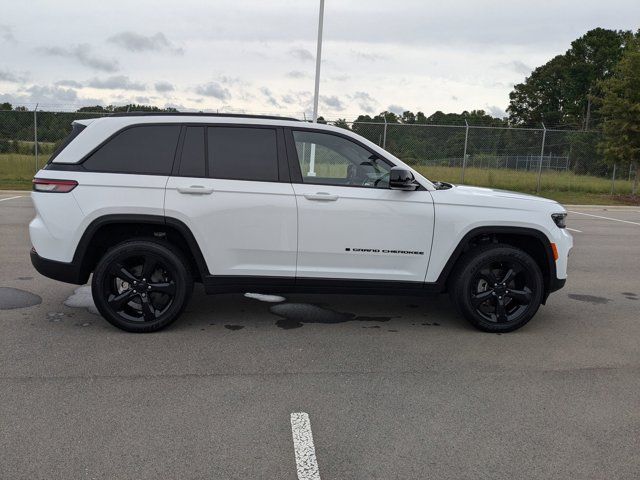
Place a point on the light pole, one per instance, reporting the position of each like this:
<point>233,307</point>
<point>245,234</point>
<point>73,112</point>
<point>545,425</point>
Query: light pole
<point>312,156</point>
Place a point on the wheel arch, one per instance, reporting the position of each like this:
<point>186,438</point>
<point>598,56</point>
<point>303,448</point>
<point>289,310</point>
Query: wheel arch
<point>532,241</point>
<point>108,230</point>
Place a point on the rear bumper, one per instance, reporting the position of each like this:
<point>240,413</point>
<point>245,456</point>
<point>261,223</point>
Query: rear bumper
<point>62,271</point>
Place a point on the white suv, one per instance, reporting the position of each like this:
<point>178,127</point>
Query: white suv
<point>151,204</point>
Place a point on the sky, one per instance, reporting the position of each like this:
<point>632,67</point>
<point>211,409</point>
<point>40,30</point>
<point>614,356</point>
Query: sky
<point>259,56</point>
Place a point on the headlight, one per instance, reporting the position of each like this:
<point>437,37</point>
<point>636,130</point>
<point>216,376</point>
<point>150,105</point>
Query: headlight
<point>560,219</point>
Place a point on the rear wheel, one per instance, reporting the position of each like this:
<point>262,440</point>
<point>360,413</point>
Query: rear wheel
<point>141,286</point>
<point>498,288</point>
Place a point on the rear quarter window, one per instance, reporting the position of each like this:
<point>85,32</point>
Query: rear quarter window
<point>148,149</point>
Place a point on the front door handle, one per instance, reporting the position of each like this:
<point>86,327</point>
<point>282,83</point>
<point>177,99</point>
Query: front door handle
<point>321,196</point>
<point>196,190</point>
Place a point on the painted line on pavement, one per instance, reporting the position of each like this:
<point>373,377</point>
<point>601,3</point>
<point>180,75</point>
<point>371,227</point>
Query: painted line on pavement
<point>606,218</point>
<point>306,461</point>
<point>10,198</point>
<point>574,230</point>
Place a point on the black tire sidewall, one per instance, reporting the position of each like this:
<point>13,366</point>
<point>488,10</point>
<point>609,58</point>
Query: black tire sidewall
<point>172,259</point>
<point>475,261</point>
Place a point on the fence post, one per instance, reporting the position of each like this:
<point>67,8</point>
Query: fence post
<point>544,138</point>
<point>35,134</point>
<point>464,154</point>
<point>384,134</point>
<point>613,180</point>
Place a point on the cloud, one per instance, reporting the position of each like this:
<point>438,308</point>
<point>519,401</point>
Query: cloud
<point>397,109</point>
<point>288,99</point>
<point>369,56</point>
<point>116,82</point>
<point>135,42</point>
<point>269,96</point>
<point>365,101</point>
<point>11,77</point>
<point>83,54</point>
<point>516,66</point>
<point>225,80</point>
<point>495,111</point>
<point>332,102</point>
<point>163,86</point>
<point>297,74</point>
<point>213,89</point>
<point>68,83</point>
<point>301,54</point>
<point>51,94</point>
<point>143,100</point>
<point>6,33</point>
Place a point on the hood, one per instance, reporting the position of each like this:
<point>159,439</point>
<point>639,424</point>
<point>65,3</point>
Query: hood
<point>494,192</point>
<point>494,198</point>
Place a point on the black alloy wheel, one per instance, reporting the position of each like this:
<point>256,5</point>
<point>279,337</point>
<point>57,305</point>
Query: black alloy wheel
<point>141,286</point>
<point>497,287</point>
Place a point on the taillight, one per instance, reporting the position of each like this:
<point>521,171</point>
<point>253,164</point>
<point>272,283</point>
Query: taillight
<point>53,186</point>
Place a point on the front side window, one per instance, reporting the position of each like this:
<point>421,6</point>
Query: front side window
<point>327,159</point>
<point>148,149</point>
<point>243,153</point>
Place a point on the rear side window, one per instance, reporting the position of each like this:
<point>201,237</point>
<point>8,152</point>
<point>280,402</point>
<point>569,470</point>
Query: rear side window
<point>148,149</point>
<point>192,162</point>
<point>243,153</point>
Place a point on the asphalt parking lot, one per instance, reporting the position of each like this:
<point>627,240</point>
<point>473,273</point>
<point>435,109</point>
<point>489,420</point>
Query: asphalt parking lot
<point>393,387</point>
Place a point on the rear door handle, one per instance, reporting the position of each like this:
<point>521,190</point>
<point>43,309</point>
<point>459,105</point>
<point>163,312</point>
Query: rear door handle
<point>321,196</point>
<point>196,190</point>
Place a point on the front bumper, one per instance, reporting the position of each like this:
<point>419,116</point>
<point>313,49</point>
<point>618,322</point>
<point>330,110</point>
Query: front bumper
<point>62,271</point>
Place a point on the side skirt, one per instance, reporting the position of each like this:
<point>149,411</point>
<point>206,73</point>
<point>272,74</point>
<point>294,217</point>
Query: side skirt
<point>239,284</point>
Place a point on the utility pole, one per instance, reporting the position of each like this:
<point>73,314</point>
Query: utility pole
<point>35,134</point>
<point>312,159</point>
<point>544,137</point>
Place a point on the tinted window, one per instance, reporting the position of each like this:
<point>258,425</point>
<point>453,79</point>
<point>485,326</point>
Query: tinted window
<point>333,160</point>
<point>241,153</point>
<point>192,160</point>
<point>145,149</point>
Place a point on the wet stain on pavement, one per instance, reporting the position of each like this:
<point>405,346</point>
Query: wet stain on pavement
<point>630,295</point>
<point>234,327</point>
<point>11,298</point>
<point>593,300</point>
<point>55,317</point>
<point>294,315</point>
<point>434,324</point>
<point>25,278</point>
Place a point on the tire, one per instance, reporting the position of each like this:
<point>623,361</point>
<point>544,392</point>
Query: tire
<point>141,286</point>
<point>497,288</point>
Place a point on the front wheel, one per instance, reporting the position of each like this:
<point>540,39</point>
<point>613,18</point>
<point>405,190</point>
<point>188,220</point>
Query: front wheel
<point>497,288</point>
<point>141,286</point>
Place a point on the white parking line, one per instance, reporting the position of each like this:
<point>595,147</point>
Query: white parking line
<point>10,198</point>
<point>574,230</point>
<point>606,218</point>
<point>306,461</point>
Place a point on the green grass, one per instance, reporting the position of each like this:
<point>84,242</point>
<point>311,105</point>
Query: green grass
<point>565,187</point>
<point>16,172</point>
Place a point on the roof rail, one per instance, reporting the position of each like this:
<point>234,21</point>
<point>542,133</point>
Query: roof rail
<point>200,114</point>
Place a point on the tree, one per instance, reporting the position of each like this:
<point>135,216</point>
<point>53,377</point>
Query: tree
<point>560,92</point>
<point>620,107</point>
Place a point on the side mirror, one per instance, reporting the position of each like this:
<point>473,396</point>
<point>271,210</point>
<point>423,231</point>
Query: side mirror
<point>402,179</point>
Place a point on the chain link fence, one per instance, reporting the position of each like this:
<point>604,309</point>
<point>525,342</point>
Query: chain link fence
<point>535,160</point>
<point>523,159</point>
